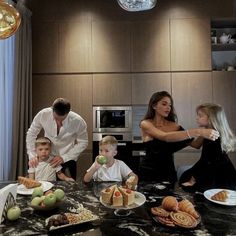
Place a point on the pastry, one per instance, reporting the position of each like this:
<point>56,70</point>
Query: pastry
<point>183,219</point>
<point>165,221</point>
<point>128,196</point>
<point>170,203</point>
<point>221,196</point>
<point>107,193</point>
<point>186,206</point>
<point>117,198</point>
<point>159,211</point>
<point>28,183</point>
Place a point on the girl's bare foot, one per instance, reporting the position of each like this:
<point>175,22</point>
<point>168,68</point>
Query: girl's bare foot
<point>189,183</point>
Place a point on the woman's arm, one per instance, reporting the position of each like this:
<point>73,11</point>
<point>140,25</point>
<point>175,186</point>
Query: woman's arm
<point>197,143</point>
<point>149,130</point>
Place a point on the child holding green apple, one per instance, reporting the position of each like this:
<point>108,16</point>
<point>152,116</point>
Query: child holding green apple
<point>107,168</point>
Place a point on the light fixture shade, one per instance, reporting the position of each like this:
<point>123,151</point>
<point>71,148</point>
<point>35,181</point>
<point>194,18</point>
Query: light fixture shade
<point>9,20</point>
<point>137,5</point>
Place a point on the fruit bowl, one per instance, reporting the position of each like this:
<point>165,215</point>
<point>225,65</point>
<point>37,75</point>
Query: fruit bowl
<point>46,208</point>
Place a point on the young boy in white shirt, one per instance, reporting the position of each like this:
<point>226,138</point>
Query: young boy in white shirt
<point>44,171</point>
<point>113,170</point>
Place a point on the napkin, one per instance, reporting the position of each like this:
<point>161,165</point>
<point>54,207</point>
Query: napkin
<point>8,198</point>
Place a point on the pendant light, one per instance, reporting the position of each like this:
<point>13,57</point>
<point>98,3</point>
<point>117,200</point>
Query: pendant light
<point>9,20</point>
<point>137,5</point>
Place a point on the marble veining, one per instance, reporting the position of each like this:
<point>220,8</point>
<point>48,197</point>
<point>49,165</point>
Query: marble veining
<point>215,219</point>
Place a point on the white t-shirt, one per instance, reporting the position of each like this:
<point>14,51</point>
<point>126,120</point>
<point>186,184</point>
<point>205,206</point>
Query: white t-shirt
<point>44,171</point>
<point>69,143</point>
<point>117,172</point>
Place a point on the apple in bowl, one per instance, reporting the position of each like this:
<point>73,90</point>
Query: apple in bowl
<point>49,201</point>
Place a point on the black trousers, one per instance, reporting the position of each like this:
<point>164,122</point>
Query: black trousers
<point>71,166</point>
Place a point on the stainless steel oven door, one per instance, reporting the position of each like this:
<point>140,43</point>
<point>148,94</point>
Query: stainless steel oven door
<point>112,119</point>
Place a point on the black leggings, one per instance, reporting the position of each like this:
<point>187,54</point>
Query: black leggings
<point>71,166</point>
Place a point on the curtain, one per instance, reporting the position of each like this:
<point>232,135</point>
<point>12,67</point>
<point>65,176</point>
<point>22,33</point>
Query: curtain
<point>7,54</point>
<point>22,100</point>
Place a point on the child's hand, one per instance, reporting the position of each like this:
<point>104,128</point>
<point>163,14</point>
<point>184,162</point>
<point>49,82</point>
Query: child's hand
<point>131,182</point>
<point>96,164</point>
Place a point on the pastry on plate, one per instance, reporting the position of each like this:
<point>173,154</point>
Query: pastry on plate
<point>107,193</point>
<point>117,198</point>
<point>128,196</point>
<point>28,183</point>
<point>220,196</point>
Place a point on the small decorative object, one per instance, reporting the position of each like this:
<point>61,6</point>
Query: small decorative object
<point>224,38</point>
<point>9,20</point>
<point>137,5</point>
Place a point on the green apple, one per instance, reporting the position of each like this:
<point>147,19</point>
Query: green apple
<point>102,160</point>
<point>50,200</point>
<point>13,213</point>
<point>37,192</point>
<point>59,194</point>
<point>36,201</point>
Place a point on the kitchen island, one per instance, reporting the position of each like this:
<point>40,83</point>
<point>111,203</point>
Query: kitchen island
<point>215,219</point>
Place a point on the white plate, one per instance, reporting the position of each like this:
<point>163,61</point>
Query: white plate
<point>231,201</point>
<point>67,225</point>
<point>139,200</point>
<point>21,189</point>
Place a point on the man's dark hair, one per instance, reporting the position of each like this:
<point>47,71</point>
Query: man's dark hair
<point>61,106</point>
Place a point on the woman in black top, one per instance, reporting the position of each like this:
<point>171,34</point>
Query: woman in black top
<point>162,136</point>
<point>214,169</point>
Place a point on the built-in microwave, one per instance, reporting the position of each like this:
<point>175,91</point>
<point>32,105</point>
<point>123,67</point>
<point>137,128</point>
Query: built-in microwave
<point>112,119</point>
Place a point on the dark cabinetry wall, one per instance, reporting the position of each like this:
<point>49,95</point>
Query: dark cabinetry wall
<point>79,43</point>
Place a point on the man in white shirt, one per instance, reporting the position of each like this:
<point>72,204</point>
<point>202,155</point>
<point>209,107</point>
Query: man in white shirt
<point>66,129</point>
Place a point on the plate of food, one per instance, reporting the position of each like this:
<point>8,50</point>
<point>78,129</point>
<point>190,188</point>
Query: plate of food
<point>221,196</point>
<point>174,213</point>
<point>64,220</point>
<point>27,185</point>
<point>117,197</point>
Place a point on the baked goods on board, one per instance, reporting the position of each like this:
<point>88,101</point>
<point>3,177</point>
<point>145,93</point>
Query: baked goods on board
<point>28,183</point>
<point>173,213</point>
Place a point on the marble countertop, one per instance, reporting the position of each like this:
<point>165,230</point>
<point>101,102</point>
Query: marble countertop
<point>215,219</point>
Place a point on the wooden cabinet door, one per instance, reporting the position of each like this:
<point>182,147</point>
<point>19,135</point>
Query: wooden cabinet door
<point>144,85</point>
<point>190,90</point>
<point>112,89</point>
<point>190,44</point>
<point>224,93</point>
<point>111,46</point>
<point>76,88</point>
<point>150,46</point>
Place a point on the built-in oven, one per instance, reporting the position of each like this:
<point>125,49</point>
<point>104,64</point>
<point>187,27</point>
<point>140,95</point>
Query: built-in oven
<point>124,148</point>
<point>112,119</point>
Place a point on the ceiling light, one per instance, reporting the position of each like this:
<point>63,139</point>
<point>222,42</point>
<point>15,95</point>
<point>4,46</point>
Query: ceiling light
<point>9,20</point>
<point>137,5</point>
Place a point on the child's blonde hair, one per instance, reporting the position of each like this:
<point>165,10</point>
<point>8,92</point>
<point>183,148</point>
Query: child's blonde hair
<point>218,120</point>
<point>111,140</point>
<point>43,141</point>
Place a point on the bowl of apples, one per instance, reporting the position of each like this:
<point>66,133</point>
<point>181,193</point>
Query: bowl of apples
<point>46,201</point>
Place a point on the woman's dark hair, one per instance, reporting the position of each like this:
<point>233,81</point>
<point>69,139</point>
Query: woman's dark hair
<point>61,106</point>
<point>155,98</point>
